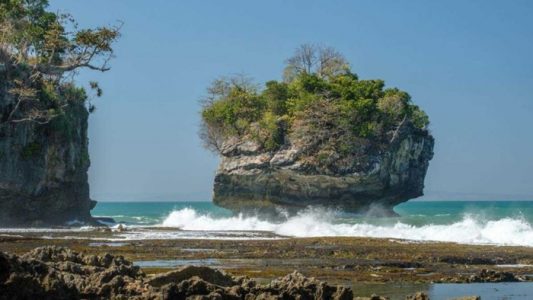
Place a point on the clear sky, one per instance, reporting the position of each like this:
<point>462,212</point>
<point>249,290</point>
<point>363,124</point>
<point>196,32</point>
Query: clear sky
<point>468,64</point>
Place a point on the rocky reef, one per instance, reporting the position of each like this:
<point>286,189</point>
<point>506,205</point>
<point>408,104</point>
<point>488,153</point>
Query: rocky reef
<point>60,273</point>
<point>43,165</point>
<point>250,178</point>
<point>53,272</point>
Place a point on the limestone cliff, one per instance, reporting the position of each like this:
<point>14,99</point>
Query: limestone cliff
<point>250,178</point>
<point>43,167</point>
<point>43,112</point>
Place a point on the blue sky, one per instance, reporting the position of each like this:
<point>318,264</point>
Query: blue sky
<point>468,64</point>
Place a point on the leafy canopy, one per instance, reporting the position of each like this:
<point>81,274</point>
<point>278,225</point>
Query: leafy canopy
<point>40,52</point>
<point>320,97</point>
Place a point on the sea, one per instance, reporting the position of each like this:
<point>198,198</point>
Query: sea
<point>467,222</point>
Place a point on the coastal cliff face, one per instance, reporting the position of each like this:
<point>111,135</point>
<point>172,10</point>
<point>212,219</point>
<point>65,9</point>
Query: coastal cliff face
<point>251,179</point>
<point>43,112</point>
<point>43,167</point>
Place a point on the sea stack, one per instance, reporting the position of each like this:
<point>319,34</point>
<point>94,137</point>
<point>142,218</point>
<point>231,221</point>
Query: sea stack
<point>252,179</point>
<point>321,137</point>
<point>43,167</point>
<point>43,113</point>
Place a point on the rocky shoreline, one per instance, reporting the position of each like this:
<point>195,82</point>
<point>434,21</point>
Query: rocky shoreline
<point>52,272</point>
<point>368,266</point>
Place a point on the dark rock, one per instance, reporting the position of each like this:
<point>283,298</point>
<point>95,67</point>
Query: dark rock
<point>343,293</point>
<point>43,167</point>
<point>492,276</point>
<point>210,275</point>
<point>400,264</point>
<point>60,273</point>
<point>474,260</point>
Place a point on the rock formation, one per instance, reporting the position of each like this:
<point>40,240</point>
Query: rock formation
<point>250,178</point>
<point>59,273</point>
<point>321,137</point>
<point>43,167</point>
<point>43,113</point>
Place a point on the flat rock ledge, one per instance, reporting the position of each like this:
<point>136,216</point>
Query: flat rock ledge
<point>59,273</point>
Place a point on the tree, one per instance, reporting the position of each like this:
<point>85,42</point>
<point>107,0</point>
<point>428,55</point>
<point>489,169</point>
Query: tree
<point>40,49</point>
<point>325,62</point>
<point>276,95</point>
<point>321,104</point>
<point>231,105</point>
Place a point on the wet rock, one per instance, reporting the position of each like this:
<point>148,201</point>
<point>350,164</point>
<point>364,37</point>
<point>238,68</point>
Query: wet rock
<point>492,276</point>
<point>343,293</point>
<point>60,273</point>
<point>474,260</point>
<point>210,275</point>
<point>400,264</point>
<point>297,286</point>
<point>52,254</point>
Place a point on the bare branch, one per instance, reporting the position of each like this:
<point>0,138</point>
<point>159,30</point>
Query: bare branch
<point>322,61</point>
<point>397,130</point>
<point>43,56</point>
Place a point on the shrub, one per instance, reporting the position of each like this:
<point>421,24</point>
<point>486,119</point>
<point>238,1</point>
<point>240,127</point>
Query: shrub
<point>328,103</point>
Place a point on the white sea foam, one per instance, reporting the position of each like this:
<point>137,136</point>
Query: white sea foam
<point>471,229</point>
<point>315,223</point>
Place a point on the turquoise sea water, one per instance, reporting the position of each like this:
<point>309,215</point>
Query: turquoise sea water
<point>472,222</point>
<point>152,213</point>
<point>413,212</point>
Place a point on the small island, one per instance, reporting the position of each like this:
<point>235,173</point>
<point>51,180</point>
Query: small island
<point>322,137</point>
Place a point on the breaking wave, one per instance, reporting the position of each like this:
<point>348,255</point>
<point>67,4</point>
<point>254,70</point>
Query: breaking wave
<point>471,229</point>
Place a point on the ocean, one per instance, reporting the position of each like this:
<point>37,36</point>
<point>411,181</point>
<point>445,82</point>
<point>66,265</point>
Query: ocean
<point>468,222</point>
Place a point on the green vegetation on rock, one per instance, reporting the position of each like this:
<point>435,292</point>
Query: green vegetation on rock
<point>40,51</point>
<point>320,97</point>
<point>44,112</point>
